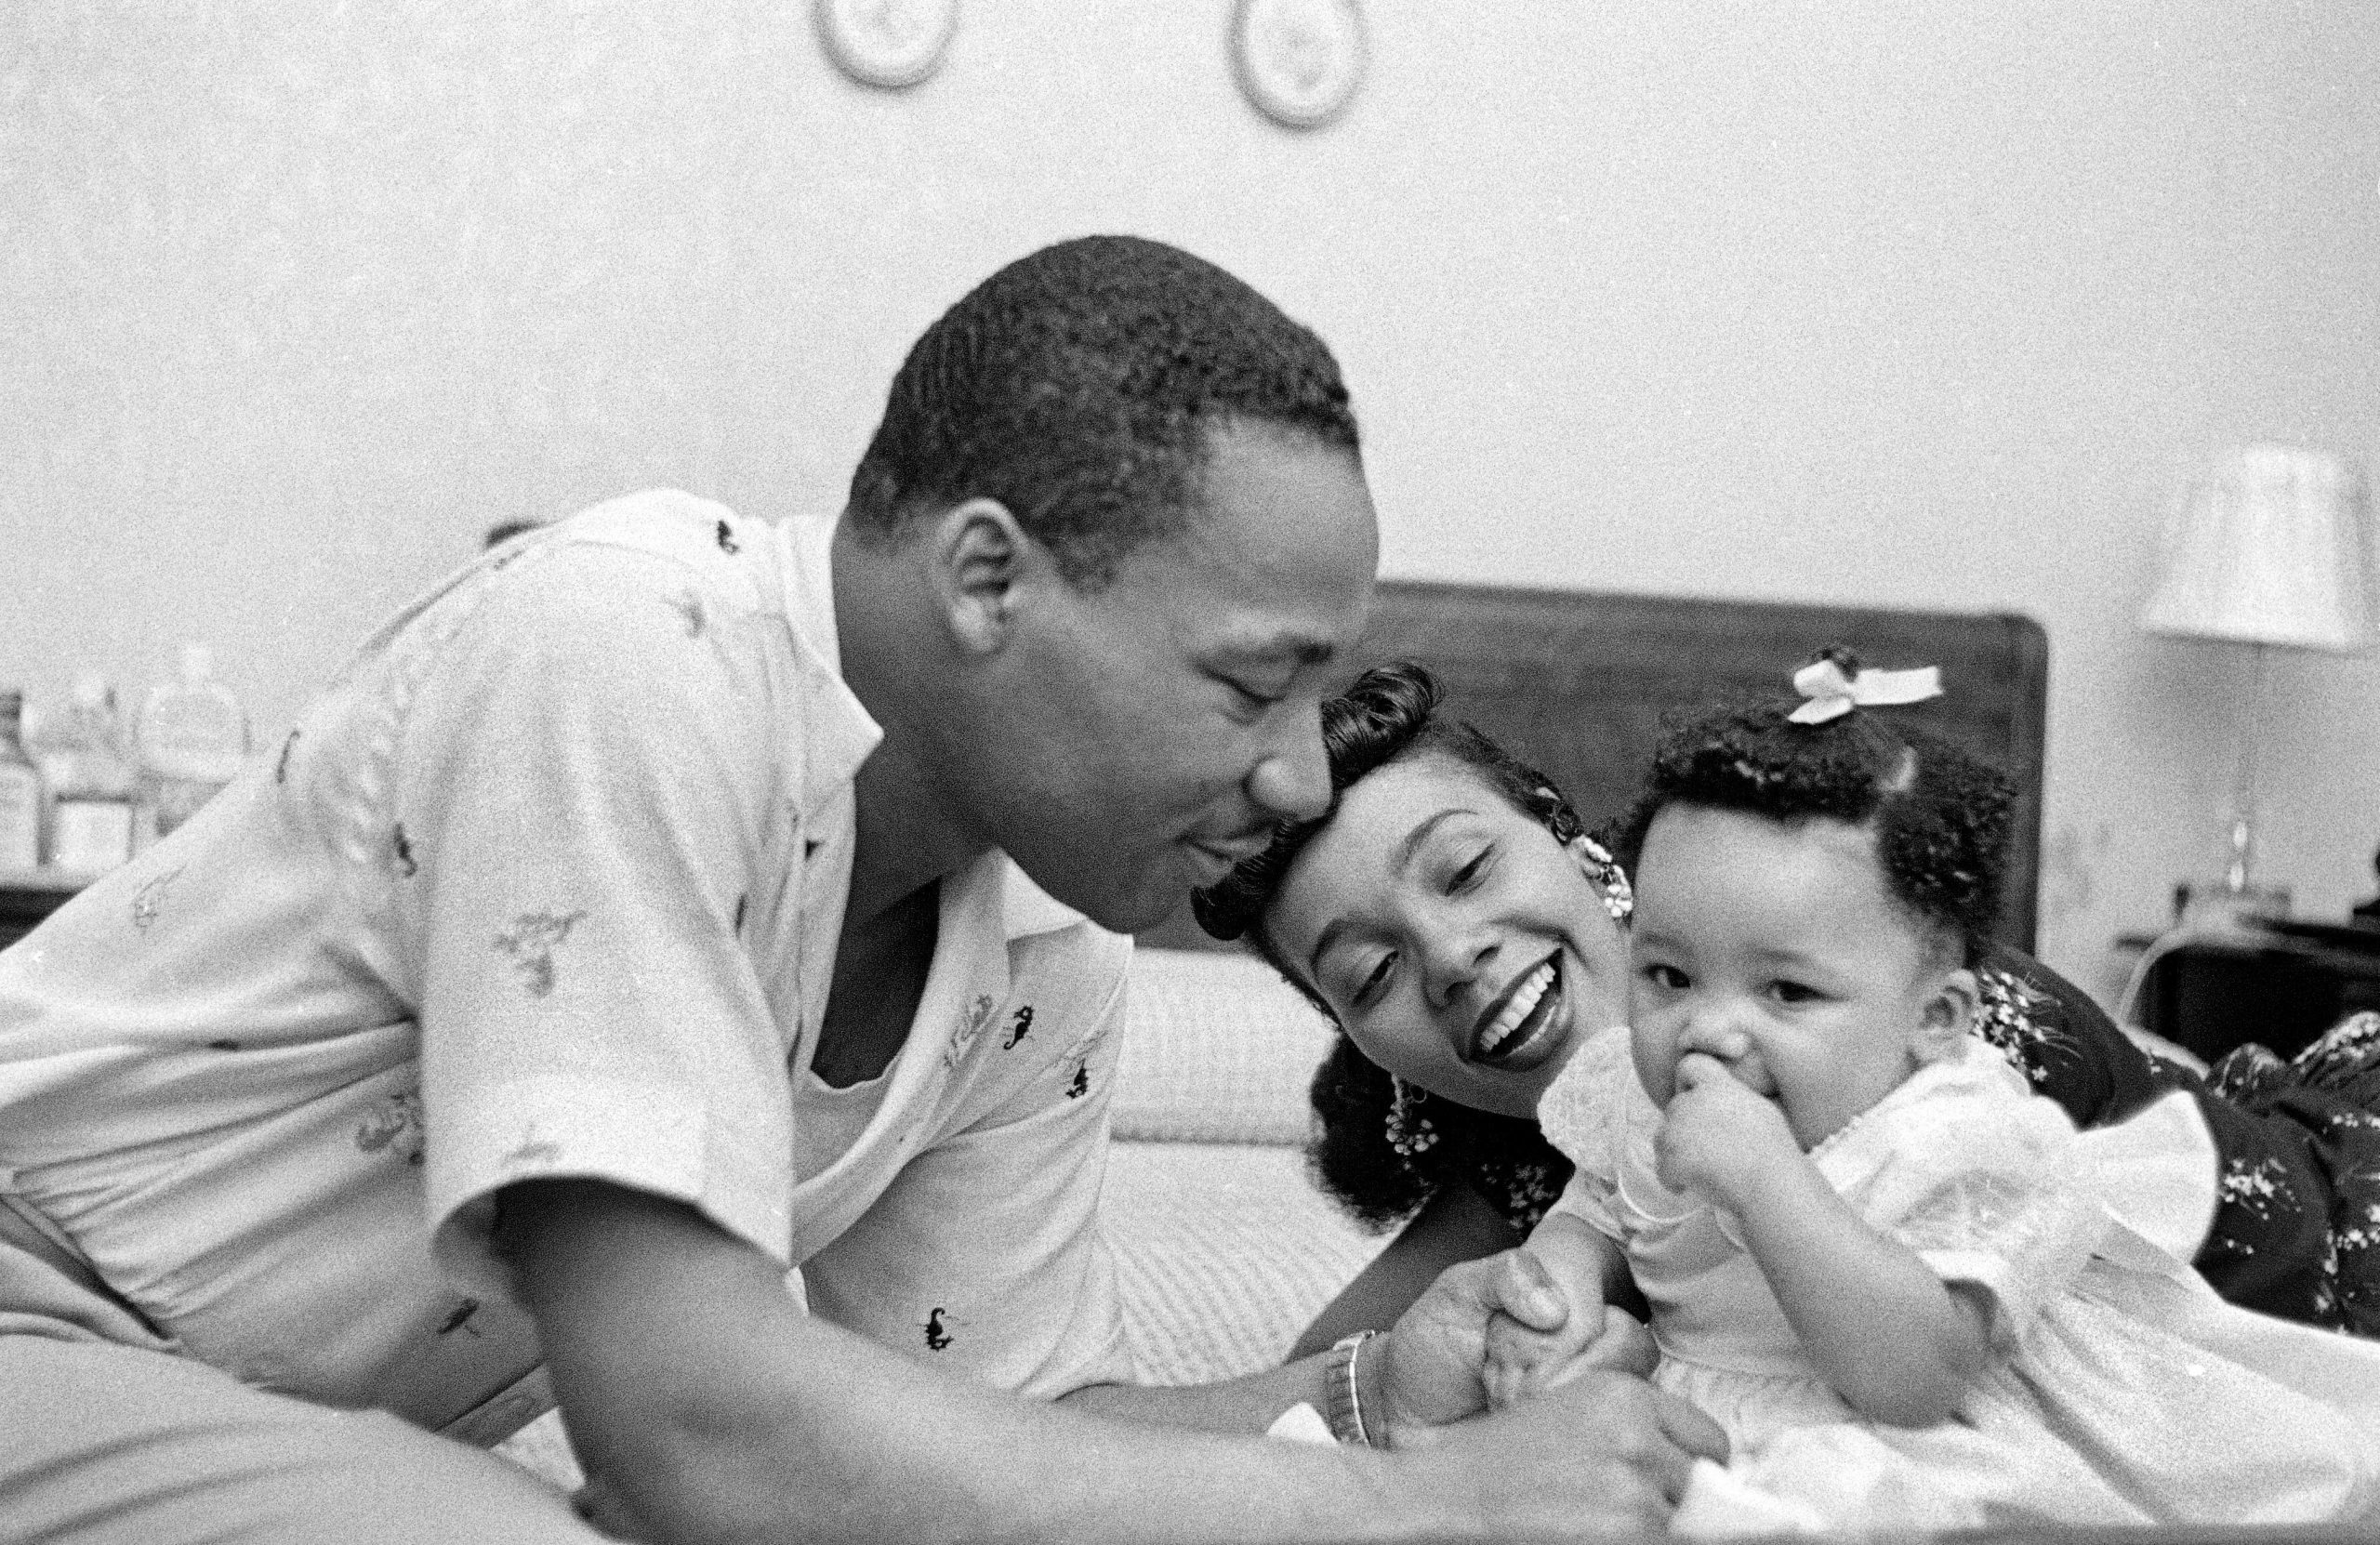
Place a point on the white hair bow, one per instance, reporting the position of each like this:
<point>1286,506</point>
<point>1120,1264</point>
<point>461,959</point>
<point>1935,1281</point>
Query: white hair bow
<point>1831,693</point>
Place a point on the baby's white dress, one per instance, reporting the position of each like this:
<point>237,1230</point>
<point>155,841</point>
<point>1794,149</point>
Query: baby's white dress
<point>2123,1390</point>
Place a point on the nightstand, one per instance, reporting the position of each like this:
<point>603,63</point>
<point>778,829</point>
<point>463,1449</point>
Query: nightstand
<point>2216,990</point>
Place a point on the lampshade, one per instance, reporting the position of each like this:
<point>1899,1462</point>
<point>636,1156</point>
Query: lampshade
<point>2271,548</point>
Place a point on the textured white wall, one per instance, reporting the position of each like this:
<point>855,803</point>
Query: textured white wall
<point>1907,303</point>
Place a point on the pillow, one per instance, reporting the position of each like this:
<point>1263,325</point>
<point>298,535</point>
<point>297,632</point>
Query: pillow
<point>1217,1048</point>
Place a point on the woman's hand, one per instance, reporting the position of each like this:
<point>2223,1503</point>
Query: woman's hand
<point>1523,1360</point>
<point>1432,1364</point>
<point>1522,1363</point>
<point>1718,1134</point>
<point>1434,1368</point>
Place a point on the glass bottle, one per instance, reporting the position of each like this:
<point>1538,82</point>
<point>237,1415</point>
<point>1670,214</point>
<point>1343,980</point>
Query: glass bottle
<point>193,736</point>
<point>19,789</point>
<point>81,753</point>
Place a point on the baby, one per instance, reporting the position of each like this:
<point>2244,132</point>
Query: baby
<point>1891,1273</point>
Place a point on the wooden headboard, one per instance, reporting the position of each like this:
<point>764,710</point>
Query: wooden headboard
<point>1576,682</point>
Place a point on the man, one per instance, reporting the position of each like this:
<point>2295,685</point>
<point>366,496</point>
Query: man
<point>626,926</point>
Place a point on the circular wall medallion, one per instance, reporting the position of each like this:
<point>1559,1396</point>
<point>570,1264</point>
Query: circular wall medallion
<point>1298,61</point>
<point>886,43</point>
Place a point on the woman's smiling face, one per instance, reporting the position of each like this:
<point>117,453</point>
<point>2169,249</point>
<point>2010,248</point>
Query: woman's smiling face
<point>1460,945</point>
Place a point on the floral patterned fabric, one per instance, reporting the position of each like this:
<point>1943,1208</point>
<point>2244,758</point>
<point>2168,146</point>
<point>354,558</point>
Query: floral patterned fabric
<point>2297,1230</point>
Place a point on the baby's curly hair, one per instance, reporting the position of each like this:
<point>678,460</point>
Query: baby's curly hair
<point>1941,814</point>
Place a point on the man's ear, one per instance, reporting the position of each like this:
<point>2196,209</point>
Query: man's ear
<point>978,556</point>
<point>1949,1014</point>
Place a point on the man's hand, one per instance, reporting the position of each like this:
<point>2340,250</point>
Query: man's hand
<point>1718,1133</point>
<point>1605,1454</point>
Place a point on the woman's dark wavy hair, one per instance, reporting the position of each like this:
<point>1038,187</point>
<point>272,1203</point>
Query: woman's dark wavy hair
<point>1940,813</point>
<point>1389,715</point>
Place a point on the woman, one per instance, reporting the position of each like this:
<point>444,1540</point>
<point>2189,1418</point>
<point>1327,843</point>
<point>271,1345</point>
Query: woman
<point>1489,940</point>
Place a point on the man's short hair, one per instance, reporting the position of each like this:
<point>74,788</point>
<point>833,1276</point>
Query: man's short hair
<point>1078,385</point>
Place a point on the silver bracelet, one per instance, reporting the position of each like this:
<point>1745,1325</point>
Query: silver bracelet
<point>1343,1394</point>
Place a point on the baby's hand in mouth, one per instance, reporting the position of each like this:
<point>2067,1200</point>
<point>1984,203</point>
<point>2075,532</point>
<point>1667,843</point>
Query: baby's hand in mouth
<point>1733,1051</point>
<point>1752,1071</point>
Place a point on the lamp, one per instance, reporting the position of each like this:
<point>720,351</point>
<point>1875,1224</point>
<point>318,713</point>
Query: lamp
<point>2271,551</point>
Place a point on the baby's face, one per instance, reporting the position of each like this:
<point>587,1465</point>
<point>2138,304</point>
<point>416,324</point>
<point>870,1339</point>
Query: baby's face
<point>1774,948</point>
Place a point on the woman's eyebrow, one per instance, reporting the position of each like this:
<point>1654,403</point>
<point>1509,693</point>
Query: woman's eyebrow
<point>1400,859</point>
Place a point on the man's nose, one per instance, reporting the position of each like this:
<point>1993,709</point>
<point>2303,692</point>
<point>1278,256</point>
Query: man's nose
<point>1291,780</point>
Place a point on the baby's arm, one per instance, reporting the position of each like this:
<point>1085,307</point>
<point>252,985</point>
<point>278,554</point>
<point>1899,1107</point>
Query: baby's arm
<point>1885,1332</point>
<point>1586,1267</point>
<point>1891,1337</point>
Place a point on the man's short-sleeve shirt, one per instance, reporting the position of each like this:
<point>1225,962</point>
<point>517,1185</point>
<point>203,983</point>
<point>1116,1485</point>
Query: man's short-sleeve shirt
<point>548,884</point>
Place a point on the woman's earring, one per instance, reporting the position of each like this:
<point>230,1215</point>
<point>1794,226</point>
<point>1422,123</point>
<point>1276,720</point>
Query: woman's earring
<point>1409,1132</point>
<point>1618,898</point>
<point>1555,814</point>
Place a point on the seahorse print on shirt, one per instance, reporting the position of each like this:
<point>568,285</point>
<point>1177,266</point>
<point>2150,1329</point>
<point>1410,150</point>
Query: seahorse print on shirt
<point>531,940</point>
<point>395,1125</point>
<point>533,1154</point>
<point>150,899</point>
<point>1077,1061</point>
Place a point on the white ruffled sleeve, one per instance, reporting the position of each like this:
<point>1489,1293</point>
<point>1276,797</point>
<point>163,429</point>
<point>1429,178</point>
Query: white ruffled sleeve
<point>1988,1185</point>
<point>1585,1112</point>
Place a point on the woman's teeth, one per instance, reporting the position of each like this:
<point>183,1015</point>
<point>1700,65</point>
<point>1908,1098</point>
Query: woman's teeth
<point>1517,1010</point>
